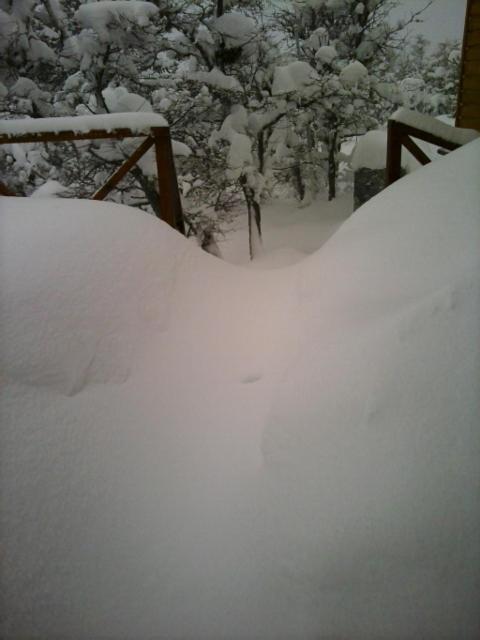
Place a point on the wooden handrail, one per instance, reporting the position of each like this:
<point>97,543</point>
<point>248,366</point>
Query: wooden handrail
<point>169,201</point>
<point>67,136</point>
<point>400,135</point>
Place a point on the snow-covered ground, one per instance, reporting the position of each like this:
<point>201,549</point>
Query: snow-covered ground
<point>192,449</point>
<point>290,232</point>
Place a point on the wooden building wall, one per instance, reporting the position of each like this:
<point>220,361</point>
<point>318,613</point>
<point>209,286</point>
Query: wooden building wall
<point>468,106</point>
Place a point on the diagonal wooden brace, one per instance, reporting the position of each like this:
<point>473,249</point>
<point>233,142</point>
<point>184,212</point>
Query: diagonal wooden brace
<point>415,150</point>
<point>123,169</point>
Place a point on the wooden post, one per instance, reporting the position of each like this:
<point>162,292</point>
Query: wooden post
<point>468,97</point>
<point>169,196</point>
<point>5,191</point>
<point>394,153</point>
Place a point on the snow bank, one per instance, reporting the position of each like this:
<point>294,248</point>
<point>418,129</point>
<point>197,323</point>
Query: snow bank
<point>137,122</point>
<point>73,331</point>
<point>374,444</point>
<point>194,450</point>
<point>435,127</point>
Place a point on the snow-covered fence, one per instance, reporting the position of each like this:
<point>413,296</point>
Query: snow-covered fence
<point>405,124</point>
<point>109,126</point>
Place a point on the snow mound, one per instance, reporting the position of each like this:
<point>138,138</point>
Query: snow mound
<point>290,453</point>
<point>376,422</point>
<point>77,296</point>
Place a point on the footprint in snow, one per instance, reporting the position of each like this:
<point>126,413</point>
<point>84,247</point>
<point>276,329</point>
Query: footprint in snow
<point>253,377</point>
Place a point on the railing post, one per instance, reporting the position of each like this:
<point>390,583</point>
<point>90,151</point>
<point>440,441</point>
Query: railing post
<point>5,191</point>
<point>394,153</point>
<point>169,196</point>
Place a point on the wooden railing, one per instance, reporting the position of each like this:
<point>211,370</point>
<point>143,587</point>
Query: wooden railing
<point>169,202</point>
<point>400,135</point>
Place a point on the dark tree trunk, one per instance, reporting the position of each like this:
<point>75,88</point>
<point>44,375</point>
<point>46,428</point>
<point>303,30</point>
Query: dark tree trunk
<point>298,181</point>
<point>250,231</point>
<point>332,166</point>
<point>258,217</point>
<point>149,189</point>
<point>261,151</point>
<point>220,8</point>
<point>254,215</point>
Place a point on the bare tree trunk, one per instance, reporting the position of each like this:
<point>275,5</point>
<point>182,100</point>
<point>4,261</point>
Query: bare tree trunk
<point>220,8</point>
<point>297,34</point>
<point>148,188</point>
<point>261,151</point>
<point>309,177</point>
<point>332,166</point>
<point>254,230</point>
<point>258,218</point>
<point>298,181</point>
<point>254,218</point>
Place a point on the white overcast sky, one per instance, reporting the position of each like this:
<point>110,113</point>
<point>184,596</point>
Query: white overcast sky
<point>444,19</point>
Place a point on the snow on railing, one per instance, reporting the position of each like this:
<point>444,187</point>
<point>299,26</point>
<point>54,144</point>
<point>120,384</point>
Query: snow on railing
<point>405,124</point>
<point>436,127</point>
<point>104,126</point>
<point>136,123</point>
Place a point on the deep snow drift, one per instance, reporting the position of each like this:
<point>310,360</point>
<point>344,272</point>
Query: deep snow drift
<point>195,450</point>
